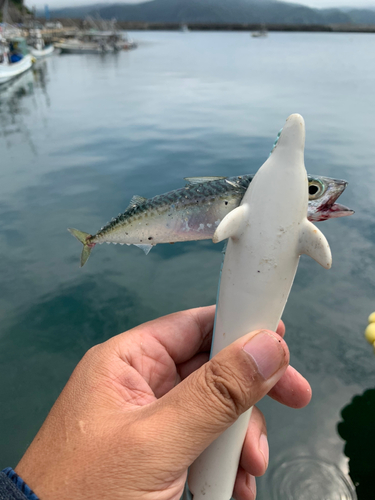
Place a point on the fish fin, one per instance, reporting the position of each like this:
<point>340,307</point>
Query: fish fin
<point>83,237</point>
<point>232,183</point>
<point>146,248</point>
<point>136,200</point>
<point>201,180</point>
<point>85,254</point>
<point>312,242</point>
<point>231,225</point>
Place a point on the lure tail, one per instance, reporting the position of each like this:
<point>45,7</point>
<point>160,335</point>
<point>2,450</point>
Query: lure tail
<point>84,238</point>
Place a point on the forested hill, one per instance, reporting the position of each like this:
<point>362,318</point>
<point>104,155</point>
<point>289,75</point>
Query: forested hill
<point>220,11</point>
<point>16,9</point>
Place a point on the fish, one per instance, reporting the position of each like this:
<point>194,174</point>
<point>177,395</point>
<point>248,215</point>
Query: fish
<point>194,212</point>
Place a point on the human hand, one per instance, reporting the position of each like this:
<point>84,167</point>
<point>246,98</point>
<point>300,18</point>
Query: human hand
<point>141,407</point>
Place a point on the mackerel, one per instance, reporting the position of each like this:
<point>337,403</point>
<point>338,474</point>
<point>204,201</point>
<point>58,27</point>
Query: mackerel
<point>194,212</point>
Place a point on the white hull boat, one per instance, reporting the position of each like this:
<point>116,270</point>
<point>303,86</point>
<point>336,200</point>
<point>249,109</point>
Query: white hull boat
<point>259,34</point>
<point>39,53</point>
<point>9,71</point>
<point>96,42</point>
<point>78,47</point>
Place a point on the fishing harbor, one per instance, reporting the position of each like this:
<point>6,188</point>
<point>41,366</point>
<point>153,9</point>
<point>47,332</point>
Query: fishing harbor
<point>81,135</point>
<point>21,47</point>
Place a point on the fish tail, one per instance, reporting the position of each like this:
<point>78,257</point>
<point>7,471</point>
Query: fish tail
<point>84,239</point>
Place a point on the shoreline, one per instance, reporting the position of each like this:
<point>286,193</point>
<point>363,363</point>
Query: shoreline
<point>152,26</point>
<point>246,27</point>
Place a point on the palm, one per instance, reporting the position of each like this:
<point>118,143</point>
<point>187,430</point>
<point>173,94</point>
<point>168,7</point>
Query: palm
<point>148,367</point>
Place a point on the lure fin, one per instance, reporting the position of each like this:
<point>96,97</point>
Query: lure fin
<point>136,200</point>
<point>231,225</point>
<point>83,238</point>
<point>201,180</point>
<point>146,248</point>
<point>312,242</point>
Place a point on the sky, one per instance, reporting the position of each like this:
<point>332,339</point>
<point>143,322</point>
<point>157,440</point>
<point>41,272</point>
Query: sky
<point>310,3</point>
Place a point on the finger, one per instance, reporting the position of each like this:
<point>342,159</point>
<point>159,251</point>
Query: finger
<point>255,452</point>
<point>281,328</point>
<point>206,403</point>
<point>182,334</point>
<point>292,389</point>
<point>155,348</point>
<point>245,486</point>
<point>187,368</point>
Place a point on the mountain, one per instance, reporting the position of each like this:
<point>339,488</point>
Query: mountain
<point>220,11</point>
<point>75,12</point>
<point>213,11</point>
<point>362,16</point>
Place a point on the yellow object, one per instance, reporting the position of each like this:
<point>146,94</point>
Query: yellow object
<point>371,318</point>
<point>370,333</point>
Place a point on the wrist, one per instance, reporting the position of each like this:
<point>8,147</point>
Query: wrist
<point>20,484</point>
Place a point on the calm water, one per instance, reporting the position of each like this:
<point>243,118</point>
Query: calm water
<point>80,135</point>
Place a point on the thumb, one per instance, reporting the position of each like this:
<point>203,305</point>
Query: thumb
<point>206,403</point>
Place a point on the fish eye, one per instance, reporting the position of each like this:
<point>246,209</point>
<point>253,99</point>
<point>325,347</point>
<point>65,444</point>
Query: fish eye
<point>316,189</point>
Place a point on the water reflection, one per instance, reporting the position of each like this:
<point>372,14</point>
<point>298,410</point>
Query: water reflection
<point>357,429</point>
<point>14,105</point>
<point>40,72</point>
<point>11,96</point>
<point>310,478</point>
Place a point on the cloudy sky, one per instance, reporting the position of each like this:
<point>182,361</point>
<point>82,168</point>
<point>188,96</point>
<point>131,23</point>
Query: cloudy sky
<point>311,3</point>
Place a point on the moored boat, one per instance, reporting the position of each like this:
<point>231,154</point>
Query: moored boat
<point>37,46</point>
<point>47,51</point>
<point>14,58</point>
<point>76,46</point>
<point>96,42</point>
<point>262,33</point>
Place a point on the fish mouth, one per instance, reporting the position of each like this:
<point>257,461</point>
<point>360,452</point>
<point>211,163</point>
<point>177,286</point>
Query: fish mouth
<point>330,209</point>
<point>337,210</point>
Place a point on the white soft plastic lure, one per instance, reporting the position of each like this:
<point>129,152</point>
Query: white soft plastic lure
<point>267,234</point>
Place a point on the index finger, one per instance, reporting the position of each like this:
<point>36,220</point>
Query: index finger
<point>182,334</point>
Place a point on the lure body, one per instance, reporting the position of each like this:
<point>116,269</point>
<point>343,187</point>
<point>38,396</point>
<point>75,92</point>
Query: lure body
<point>266,235</point>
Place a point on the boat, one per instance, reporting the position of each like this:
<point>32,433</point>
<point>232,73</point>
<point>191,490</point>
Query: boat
<point>14,58</point>
<point>107,30</point>
<point>113,39</point>
<point>262,33</point>
<point>39,53</point>
<point>82,46</point>
<point>37,45</point>
<point>259,34</point>
<point>95,42</point>
<point>125,42</point>
<point>98,37</point>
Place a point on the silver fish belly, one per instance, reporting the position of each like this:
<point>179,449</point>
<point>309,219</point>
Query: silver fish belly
<point>194,211</point>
